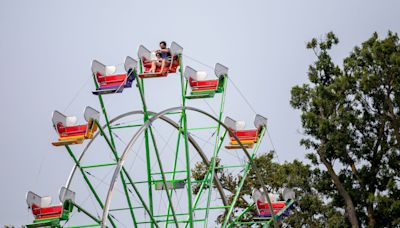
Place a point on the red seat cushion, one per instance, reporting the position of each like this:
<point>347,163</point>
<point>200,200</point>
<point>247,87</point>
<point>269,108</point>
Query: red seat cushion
<point>275,205</point>
<point>47,212</point>
<point>110,78</point>
<point>268,212</point>
<point>71,131</point>
<point>111,84</point>
<point>206,83</point>
<point>245,135</point>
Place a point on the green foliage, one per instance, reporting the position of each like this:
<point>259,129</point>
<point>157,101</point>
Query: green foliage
<point>351,120</point>
<point>199,173</point>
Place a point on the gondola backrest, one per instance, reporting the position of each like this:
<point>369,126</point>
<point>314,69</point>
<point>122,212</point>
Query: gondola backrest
<point>66,194</point>
<point>176,49</point>
<point>189,72</point>
<point>34,199</point>
<point>288,194</point>
<point>91,113</point>
<point>230,123</point>
<point>98,67</point>
<point>130,64</point>
<point>220,70</point>
<point>235,125</point>
<point>57,118</point>
<point>143,52</point>
<point>260,121</point>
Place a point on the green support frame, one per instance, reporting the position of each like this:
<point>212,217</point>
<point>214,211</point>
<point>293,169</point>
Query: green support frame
<point>244,175</point>
<point>193,203</point>
<point>140,86</point>
<point>116,157</point>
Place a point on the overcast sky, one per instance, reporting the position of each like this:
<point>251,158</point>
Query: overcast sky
<point>46,48</point>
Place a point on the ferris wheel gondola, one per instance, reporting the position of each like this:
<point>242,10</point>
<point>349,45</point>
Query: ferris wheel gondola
<point>46,214</point>
<point>248,137</point>
<point>107,82</point>
<point>280,208</point>
<point>171,63</point>
<point>70,132</point>
<point>201,87</point>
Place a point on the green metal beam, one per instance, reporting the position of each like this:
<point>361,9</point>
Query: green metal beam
<point>171,172</point>
<point>175,164</point>
<point>125,126</point>
<point>140,86</point>
<point>211,208</point>
<point>96,196</point>
<point>216,151</point>
<point>103,108</point>
<point>241,214</point>
<point>80,209</point>
<point>163,176</point>
<point>154,222</point>
<point>205,180</point>
<point>179,221</point>
<point>166,215</point>
<point>185,134</point>
<point>246,171</point>
<point>288,204</point>
<point>98,165</point>
<point>202,128</point>
<point>229,166</point>
<point>124,171</point>
<point>125,208</point>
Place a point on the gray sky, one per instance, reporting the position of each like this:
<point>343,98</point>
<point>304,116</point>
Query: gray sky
<point>46,48</point>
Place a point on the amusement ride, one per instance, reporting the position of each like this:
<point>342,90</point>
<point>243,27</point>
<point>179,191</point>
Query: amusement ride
<point>147,179</point>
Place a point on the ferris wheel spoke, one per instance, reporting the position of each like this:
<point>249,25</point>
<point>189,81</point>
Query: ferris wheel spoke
<point>137,154</point>
<point>163,175</point>
<point>111,144</point>
<point>141,199</point>
<point>88,182</point>
<point>176,157</point>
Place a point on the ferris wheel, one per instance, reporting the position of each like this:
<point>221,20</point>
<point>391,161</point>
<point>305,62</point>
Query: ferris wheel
<point>128,172</point>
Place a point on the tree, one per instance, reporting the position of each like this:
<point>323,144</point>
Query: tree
<point>351,122</point>
<point>311,208</point>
